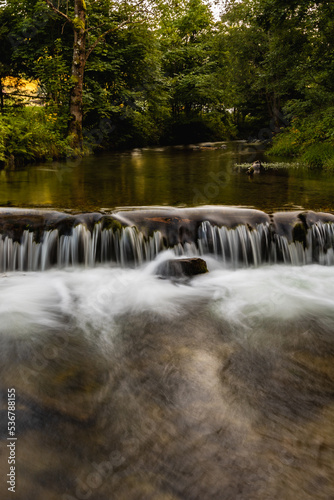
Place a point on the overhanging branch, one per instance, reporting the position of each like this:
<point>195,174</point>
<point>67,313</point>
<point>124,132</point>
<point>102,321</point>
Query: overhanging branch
<point>98,40</point>
<point>59,12</point>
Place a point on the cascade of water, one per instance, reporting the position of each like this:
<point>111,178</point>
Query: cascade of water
<point>294,253</point>
<point>323,243</point>
<point>243,246</point>
<point>80,247</point>
<point>133,247</point>
<point>239,247</point>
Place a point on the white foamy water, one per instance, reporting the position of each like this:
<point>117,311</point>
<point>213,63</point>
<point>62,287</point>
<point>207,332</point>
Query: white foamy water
<point>93,298</point>
<point>226,379</point>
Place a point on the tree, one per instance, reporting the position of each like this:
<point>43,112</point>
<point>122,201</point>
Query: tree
<point>193,71</point>
<point>187,59</point>
<point>266,41</point>
<point>125,89</point>
<point>121,74</point>
<point>91,22</point>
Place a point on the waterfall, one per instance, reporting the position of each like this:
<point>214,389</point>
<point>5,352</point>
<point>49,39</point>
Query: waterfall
<point>81,247</point>
<point>241,246</point>
<point>322,237</point>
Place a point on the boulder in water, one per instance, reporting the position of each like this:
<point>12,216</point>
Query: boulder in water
<point>182,268</point>
<point>256,168</point>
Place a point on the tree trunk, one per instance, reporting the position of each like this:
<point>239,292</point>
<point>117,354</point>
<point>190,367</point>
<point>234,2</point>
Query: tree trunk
<point>274,110</point>
<point>1,96</point>
<point>78,69</point>
<point>80,56</point>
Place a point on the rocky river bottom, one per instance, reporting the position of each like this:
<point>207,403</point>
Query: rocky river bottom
<point>129,387</point>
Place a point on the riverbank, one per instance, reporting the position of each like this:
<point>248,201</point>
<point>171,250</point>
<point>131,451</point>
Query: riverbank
<point>309,138</point>
<point>33,134</point>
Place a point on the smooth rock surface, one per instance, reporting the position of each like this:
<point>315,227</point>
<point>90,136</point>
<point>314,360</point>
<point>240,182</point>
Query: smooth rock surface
<point>181,268</point>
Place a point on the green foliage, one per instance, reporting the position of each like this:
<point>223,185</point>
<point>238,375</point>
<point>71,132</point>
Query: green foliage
<point>31,134</point>
<point>122,76</point>
<point>156,80</point>
<point>189,60</point>
<point>285,52</point>
<point>284,145</point>
<point>52,72</point>
<point>241,47</point>
<point>281,55</point>
<point>167,71</point>
<point>138,129</point>
<point>311,136</point>
<point>319,155</point>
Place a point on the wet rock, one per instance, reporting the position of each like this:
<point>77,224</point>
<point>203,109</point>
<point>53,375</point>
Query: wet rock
<point>182,268</point>
<point>299,233</point>
<point>316,217</point>
<point>256,168</point>
<point>135,230</point>
<point>180,225</point>
<point>291,225</point>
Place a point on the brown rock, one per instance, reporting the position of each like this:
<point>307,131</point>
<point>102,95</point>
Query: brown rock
<point>182,268</point>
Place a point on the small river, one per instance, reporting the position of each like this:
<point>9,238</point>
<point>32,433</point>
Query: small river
<point>116,384</point>
<point>166,176</point>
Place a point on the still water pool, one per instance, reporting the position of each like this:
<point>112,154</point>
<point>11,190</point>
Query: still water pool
<point>166,176</point>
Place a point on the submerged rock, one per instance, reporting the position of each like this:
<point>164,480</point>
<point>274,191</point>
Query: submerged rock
<point>182,268</point>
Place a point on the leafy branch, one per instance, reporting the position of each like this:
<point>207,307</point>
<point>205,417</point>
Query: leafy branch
<point>59,12</point>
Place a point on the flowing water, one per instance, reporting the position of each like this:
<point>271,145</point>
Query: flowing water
<point>129,386</point>
<point>239,247</point>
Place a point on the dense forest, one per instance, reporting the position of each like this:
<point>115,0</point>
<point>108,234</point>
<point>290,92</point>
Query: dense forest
<point>133,73</point>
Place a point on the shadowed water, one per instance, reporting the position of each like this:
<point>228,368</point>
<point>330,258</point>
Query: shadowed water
<point>132,387</point>
<point>166,176</point>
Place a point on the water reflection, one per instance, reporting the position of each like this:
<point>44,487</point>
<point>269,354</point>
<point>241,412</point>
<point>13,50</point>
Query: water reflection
<point>165,176</point>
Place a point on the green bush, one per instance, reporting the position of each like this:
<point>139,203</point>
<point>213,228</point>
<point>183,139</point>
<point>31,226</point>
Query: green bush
<point>32,134</point>
<point>319,155</point>
<point>143,130</point>
<point>4,131</point>
<point>220,125</point>
<point>285,144</point>
<point>310,137</point>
